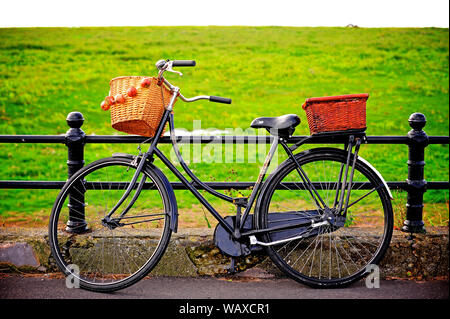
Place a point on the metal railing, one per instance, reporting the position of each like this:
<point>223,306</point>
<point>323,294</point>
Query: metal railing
<point>415,185</point>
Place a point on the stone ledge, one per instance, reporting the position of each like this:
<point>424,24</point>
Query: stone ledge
<point>192,252</point>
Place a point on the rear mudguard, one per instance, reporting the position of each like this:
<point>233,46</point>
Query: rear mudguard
<point>173,209</point>
<point>379,176</point>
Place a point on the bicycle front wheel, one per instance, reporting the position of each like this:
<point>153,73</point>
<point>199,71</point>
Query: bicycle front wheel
<point>329,255</point>
<point>105,257</point>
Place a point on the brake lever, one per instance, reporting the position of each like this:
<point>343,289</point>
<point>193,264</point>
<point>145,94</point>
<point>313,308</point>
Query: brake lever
<point>167,67</point>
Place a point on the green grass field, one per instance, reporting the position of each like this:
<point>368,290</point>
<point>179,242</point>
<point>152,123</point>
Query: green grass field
<point>45,73</point>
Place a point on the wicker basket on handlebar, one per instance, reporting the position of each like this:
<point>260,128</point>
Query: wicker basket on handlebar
<point>336,113</point>
<point>140,114</point>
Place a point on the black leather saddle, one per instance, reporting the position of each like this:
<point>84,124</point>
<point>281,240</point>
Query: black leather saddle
<point>282,125</point>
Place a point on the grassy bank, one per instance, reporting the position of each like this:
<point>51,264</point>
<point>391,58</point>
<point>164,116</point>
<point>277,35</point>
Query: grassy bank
<point>268,71</point>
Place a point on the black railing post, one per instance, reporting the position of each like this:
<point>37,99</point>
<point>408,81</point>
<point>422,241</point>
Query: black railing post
<point>75,140</point>
<point>417,141</point>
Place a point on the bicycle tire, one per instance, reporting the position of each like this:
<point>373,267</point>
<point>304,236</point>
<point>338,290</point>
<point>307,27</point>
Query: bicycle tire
<point>285,261</point>
<point>111,259</point>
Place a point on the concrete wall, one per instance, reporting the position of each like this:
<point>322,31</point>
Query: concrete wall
<point>192,253</point>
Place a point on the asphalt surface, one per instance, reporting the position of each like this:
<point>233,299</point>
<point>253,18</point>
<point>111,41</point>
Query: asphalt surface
<point>19,287</point>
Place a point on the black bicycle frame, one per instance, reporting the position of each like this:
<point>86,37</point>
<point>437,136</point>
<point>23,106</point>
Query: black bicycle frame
<point>235,231</point>
<point>191,185</point>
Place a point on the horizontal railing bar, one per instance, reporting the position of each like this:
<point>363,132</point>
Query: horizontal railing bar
<point>215,185</point>
<point>32,139</point>
<point>31,184</point>
<point>133,139</point>
<point>438,139</point>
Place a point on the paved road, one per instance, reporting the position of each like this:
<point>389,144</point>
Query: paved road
<point>12,287</point>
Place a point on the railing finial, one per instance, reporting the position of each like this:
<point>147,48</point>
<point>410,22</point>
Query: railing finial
<point>75,119</point>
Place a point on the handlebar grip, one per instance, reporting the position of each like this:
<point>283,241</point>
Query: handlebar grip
<point>183,63</point>
<point>219,99</point>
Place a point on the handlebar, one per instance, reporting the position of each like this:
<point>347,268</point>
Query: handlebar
<point>183,63</point>
<point>219,99</point>
<point>167,65</point>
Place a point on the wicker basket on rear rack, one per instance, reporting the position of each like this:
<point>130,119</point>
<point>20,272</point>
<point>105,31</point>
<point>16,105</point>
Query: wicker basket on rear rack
<point>142,113</point>
<point>336,113</point>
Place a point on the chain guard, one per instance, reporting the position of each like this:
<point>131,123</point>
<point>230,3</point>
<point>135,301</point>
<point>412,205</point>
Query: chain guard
<point>227,244</point>
<point>236,248</point>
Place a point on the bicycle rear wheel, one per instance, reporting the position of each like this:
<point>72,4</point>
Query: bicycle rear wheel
<point>106,258</point>
<point>326,256</point>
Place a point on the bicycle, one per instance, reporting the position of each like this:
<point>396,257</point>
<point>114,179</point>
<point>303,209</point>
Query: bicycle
<point>322,216</point>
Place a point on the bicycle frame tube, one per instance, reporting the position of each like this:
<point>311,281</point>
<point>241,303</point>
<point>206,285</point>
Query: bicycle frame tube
<point>186,168</point>
<point>192,189</point>
<point>258,183</point>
